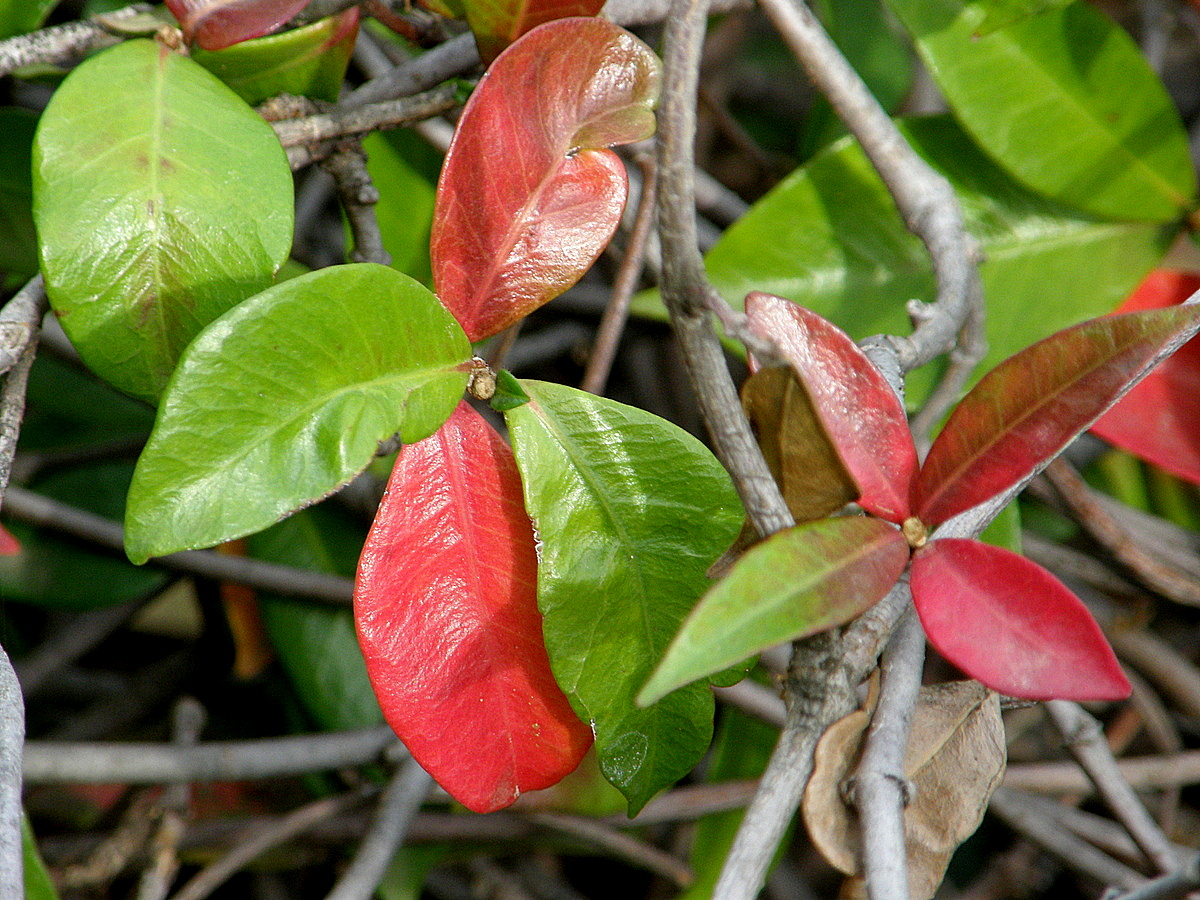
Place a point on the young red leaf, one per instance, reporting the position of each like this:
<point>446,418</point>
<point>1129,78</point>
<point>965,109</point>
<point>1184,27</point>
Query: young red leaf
<point>214,24</point>
<point>9,545</point>
<point>1009,623</point>
<point>1023,412</point>
<point>529,195</point>
<point>446,609</point>
<point>1158,419</point>
<point>497,23</point>
<point>861,413</point>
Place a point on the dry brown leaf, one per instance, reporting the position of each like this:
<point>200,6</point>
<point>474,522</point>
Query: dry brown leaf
<point>798,452</point>
<point>955,759</point>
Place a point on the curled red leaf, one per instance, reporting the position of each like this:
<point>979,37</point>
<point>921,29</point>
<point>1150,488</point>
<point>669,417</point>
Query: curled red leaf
<point>446,608</point>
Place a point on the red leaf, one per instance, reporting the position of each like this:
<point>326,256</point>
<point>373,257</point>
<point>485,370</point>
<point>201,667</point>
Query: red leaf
<point>1159,420</point>
<point>528,197</point>
<point>861,413</point>
<point>9,545</point>
<point>1023,412</point>
<point>1011,624</point>
<point>446,609</point>
<point>216,24</point>
<point>497,24</point>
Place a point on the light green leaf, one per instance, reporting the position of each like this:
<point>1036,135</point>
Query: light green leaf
<point>309,61</point>
<point>1064,101</point>
<point>798,582</point>
<point>630,511</point>
<point>38,885</point>
<point>158,207</point>
<point>829,238</point>
<point>22,16</point>
<point>285,398</point>
<point>405,170</point>
<point>317,645</point>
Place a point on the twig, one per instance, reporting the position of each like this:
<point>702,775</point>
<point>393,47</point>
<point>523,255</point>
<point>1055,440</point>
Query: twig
<point>12,737</point>
<point>621,846</point>
<point>1170,671</point>
<point>752,698</point>
<point>1143,774</point>
<point>62,43</point>
<point>1168,887</point>
<point>1108,532</point>
<point>358,194</point>
<point>924,198</point>
<point>608,336</point>
<point>880,789</point>
<point>35,509</point>
<point>396,812</point>
<point>455,57</point>
<point>1078,854</point>
<point>257,841</point>
<point>86,632</point>
<point>1085,740</point>
<point>51,762</point>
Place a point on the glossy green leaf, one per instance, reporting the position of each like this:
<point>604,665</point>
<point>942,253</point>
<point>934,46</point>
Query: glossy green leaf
<point>1001,13</point>
<point>55,571</point>
<point>1065,101</point>
<point>797,582</point>
<point>829,237</point>
<point>158,208</point>
<point>404,169</point>
<point>18,241</point>
<point>309,61</point>
<point>285,398</point>
<point>68,409</point>
<point>21,16</point>
<point>317,644</point>
<point>630,511</point>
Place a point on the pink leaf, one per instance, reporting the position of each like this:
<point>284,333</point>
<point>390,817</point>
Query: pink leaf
<point>1011,624</point>
<point>446,609</point>
<point>215,24</point>
<point>861,413</point>
<point>9,545</point>
<point>1158,419</point>
<point>1023,412</point>
<point>528,195</point>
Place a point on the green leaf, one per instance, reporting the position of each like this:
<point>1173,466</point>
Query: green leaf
<point>309,61</point>
<point>38,885</point>
<point>829,237</point>
<point>23,16</point>
<point>18,241</point>
<point>404,170</point>
<point>316,644</point>
<point>1064,101</point>
<point>55,571</point>
<point>66,409</point>
<point>285,398</point>
<point>158,208</point>
<point>630,512</point>
<point>1002,13</point>
<point>798,582</point>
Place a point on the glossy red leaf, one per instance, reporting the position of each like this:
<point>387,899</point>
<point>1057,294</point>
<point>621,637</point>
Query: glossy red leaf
<point>215,24</point>
<point>529,195</point>
<point>1022,413</point>
<point>1159,420</point>
<point>861,413</point>
<point>1009,623</point>
<point>446,609</point>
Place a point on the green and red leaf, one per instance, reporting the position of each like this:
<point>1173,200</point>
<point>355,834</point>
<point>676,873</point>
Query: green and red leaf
<point>446,609</point>
<point>1009,623</point>
<point>214,24</point>
<point>1023,412</point>
<point>1159,420</point>
<point>497,23</point>
<point>529,194</point>
<point>797,582</point>
<point>860,412</point>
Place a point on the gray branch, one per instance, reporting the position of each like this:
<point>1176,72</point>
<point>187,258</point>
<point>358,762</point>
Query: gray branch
<point>12,737</point>
<point>65,43</point>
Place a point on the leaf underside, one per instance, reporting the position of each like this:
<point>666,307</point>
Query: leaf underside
<point>1022,413</point>
<point>446,608</point>
<point>285,399</point>
<point>216,24</point>
<point>529,195</point>
<point>630,511</point>
<point>1009,623</point>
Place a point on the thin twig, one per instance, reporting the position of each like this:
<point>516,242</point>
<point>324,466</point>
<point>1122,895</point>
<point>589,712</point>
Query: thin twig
<point>1169,887</point>
<point>12,737</point>
<point>256,841</point>
<point>358,195</point>
<point>1085,740</point>
<point>36,509</point>
<point>53,762</point>
<point>455,57</point>
<point>395,814</point>
<point>880,788</point>
<point>618,845</point>
<point>64,43</point>
<point>1171,672</point>
<point>754,699</point>
<point>59,650</point>
<point>612,324</point>
<point>1144,773</point>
